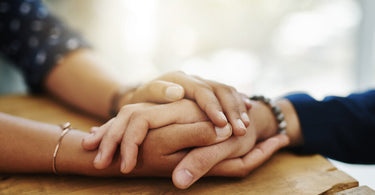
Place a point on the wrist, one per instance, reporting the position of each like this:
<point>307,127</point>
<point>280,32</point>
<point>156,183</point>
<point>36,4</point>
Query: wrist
<point>263,120</point>
<point>266,124</point>
<point>74,160</point>
<point>294,127</point>
<point>120,97</point>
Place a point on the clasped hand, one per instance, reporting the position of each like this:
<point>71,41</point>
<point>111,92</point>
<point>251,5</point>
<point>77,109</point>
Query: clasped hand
<point>180,137</point>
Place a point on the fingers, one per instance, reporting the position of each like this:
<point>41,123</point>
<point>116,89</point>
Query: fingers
<point>199,161</point>
<point>158,92</point>
<point>246,99</point>
<point>209,103</point>
<point>202,93</point>
<point>183,111</point>
<point>240,167</point>
<point>173,138</point>
<point>92,141</point>
<point>234,108</point>
<point>113,136</point>
<point>216,99</point>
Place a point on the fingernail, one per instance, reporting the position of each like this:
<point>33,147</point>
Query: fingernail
<point>174,92</point>
<point>222,116</point>
<point>247,101</point>
<point>241,125</point>
<point>98,157</point>
<point>93,129</point>
<point>184,177</point>
<point>223,131</point>
<point>245,117</point>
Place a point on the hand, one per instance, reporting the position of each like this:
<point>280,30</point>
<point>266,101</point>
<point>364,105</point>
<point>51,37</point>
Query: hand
<point>165,147</point>
<point>235,156</point>
<point>242,166</point>
<point>159,154</point>
<point>213,98</point>
<point>235,105</point>
<point>130,128</point>
<point>156,91</point>
<point>231,167</point>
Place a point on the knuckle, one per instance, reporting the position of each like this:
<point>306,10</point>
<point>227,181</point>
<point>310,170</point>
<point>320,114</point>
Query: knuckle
<point>136,114</point>
<point>173,74</point>
<point>206,133</point>
<point>128,108</point>
<point>205,86</point>
<point>242,171</point>
<point>201,86</point>
<point>225,88</point>
<point>231,111</point>
<point>203,162</point>
<point>258,151</point>
<point>234,90</point>
<point>113,137</point>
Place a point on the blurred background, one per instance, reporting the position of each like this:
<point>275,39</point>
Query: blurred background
<point>268,47</point>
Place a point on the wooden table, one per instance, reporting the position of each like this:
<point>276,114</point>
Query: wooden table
<point>285,173</point>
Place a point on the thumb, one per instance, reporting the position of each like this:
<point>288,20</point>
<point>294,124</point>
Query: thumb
<point>158,91</point>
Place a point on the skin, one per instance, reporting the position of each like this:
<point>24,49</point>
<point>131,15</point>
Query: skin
<point>79,80</point>
<point>238,155</point>
<point>141,117</point>
<point>263,126</point>
<point>34,143</point>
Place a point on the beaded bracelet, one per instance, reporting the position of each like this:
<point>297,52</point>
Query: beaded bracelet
<point>275,110</point>
<point>65,128</point>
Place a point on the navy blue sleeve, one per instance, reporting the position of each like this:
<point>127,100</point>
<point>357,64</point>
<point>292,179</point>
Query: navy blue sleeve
<point>342,128</point>
<point>33,39</point>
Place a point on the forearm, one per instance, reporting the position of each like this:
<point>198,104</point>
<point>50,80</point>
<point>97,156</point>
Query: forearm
<point>27,147</point>
<point>79,79</point>
<point>23,141</point>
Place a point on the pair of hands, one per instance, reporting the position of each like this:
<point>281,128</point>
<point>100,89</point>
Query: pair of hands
<point>183,139</point>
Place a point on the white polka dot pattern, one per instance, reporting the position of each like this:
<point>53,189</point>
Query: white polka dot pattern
<point>34,39</point>
<point>25,8</point>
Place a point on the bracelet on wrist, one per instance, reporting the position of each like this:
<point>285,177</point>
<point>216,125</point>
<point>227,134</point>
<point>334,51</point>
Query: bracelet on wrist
<point>281,123</point>
<point>66,127</point>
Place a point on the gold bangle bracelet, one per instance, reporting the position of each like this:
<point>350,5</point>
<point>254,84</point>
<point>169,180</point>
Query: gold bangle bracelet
<point>65,128</point>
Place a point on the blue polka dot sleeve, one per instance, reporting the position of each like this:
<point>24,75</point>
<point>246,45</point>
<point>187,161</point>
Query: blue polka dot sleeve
<point>33,39</point>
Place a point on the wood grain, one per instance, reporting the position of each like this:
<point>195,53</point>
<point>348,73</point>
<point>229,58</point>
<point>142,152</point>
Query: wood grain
<point>285,173</point>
